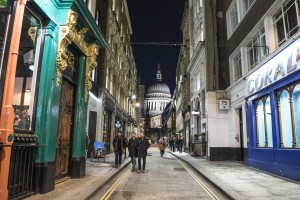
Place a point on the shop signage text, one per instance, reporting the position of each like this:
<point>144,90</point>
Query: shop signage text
<point>282,64</point>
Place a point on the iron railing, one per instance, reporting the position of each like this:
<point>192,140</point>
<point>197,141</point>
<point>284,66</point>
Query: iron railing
<point>20,183</point>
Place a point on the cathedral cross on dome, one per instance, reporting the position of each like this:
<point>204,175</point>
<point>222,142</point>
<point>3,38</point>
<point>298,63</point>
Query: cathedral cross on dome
<point>158,74</point>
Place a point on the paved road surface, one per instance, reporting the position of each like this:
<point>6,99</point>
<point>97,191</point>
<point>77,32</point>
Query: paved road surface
<point>164,178</point>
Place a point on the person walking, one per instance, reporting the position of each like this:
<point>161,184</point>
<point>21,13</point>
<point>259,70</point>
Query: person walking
<point>125,143</point>
<point>180,144</point>
<point>143,145</point>
<point>118,143</point>
<point>87,143</point>
<point>174,144</point>
<point>162,146</point>
<point>132,149</point>
<point>171,143</point>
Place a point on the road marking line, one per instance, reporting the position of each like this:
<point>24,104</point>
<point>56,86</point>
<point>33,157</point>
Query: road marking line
<point>109,192</point>
<point>204,187</point>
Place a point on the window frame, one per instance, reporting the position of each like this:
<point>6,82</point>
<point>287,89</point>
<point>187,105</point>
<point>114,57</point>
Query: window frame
<point>237,59</point>
<point>281,15</point>
<point>290,90</point>
<point>35,67</point>
<point>253,48</point>
<point>265,128</point>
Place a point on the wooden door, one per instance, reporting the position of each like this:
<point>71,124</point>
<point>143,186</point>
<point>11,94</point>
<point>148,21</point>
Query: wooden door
<point>92,131</point>
<point>64,133</point>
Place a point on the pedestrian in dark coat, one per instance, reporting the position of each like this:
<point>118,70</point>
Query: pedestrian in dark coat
<point>171,143</point>
<point>143,145</point>
<point>132,149</point>
<point>180,144</point>
<point>118,144</point>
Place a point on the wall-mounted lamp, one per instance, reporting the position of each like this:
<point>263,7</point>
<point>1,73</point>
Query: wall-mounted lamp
<point>195,112</point>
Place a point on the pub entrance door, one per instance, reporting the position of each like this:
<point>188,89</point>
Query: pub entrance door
<point>65,129</point>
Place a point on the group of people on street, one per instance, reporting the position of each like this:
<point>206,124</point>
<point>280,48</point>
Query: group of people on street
<point>137,148</point>
<point>176,143</point>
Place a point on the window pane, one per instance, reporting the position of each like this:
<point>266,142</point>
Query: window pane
<point>269,122</point>
<point>3,19</point>
<point>247,4</point>
<point>280,31</point>
<point>237,66</point>
<point>26,72</point>
<point>286,119</point>
<point>296,99</point>
<point>260,125</point>
<point>234,18</point>
<point>291,20</point>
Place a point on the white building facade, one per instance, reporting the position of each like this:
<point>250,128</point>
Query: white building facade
<point>158,96</point>
<point>264,86</point>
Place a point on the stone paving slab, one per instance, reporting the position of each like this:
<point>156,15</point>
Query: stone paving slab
<point>239,181</point>
<point>97,174</point>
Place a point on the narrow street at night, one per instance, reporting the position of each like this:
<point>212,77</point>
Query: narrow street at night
<point>85,85</point>
<point>165,178</point>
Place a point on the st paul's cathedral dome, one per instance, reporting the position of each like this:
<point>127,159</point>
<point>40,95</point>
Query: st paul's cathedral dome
<point>158,95</point>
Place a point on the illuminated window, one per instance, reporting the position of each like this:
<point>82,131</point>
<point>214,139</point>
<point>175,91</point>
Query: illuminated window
<point>113,5</point>
<point>289,116</point>
<point>296,100</point>
<point>27,71</point>
<point>264,123</point>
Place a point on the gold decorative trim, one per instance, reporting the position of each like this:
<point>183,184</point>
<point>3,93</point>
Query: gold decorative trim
<point>67,35</point>
<point>32,33</point>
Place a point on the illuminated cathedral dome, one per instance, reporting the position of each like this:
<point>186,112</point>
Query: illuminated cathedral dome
<point>160,89</point>
<point>158,95</point>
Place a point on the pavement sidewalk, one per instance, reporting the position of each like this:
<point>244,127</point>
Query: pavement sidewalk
<point>239,181</point>
<point>97,174</point>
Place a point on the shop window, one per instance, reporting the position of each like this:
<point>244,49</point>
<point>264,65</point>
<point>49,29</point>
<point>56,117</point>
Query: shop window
<point>264,123</point>
<point>256,48</point>
<point>26,80</point>
<point>286,120</point>
<point>289,116</point>
<point>286,21</point>
<point>296,100</point>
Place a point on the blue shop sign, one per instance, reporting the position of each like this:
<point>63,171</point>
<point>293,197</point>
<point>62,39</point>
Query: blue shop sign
<point>99,145</point>
<point>282,64</point>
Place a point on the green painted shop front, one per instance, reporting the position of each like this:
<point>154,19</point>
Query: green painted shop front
<point>70,48</point>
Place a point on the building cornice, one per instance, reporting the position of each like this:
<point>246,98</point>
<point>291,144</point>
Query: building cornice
<point>198,49</point>
<point>127,15</point>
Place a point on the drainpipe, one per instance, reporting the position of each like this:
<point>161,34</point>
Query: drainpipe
<point>7,111</point>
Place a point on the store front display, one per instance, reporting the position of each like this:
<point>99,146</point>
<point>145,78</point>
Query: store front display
<point>273,113</point>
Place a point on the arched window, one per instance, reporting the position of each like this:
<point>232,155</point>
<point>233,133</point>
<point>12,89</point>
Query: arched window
<point>285,119</point>
<point>264,123</point>
<point>296,100</point>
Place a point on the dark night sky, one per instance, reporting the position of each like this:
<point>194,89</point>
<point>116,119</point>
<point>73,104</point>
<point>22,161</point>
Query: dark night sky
<point>156,21</point>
